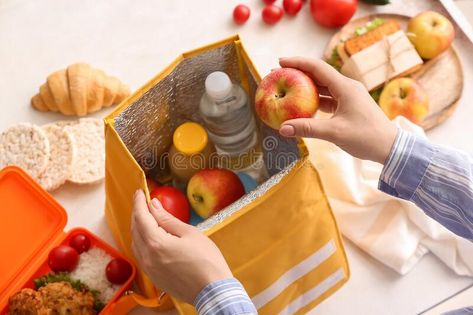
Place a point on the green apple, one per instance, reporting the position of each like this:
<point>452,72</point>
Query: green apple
<point>431,33</point>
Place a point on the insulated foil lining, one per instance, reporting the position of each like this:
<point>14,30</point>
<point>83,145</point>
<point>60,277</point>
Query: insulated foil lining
<point>146,126</point>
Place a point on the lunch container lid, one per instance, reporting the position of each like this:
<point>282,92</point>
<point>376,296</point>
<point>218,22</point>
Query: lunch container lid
<point>31,222</point>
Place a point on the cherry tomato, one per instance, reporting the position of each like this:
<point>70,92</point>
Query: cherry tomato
<point>241,14</point>
<point>292,7</point>
<point>118,271</point>
<point>63,258</point>
<point>80,242</point>
<point>173,201</point>
<point>272,14</point>
<point>269,1</point>
<point>332,13</point>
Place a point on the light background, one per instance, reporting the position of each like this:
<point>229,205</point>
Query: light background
<point>134,40</point>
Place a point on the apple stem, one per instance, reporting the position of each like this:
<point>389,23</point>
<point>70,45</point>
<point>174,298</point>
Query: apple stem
<point>197,198</point>
<point>402,94</point>
<point>280,94</point>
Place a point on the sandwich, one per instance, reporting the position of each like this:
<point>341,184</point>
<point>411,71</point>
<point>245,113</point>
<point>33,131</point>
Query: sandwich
<point>376,53</point>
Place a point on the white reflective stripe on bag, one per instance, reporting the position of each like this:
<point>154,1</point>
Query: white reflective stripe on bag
<point>314,293</point>
<point>294,274</point>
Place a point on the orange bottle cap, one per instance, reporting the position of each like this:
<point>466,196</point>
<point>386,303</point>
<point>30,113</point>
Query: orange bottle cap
<point>190,138</point>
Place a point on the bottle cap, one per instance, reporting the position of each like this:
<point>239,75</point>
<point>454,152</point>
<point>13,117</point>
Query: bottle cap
<point>218,85</point>
<point>190,138</point>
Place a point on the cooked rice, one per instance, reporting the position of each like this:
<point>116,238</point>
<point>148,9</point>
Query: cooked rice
<point>91,271</point>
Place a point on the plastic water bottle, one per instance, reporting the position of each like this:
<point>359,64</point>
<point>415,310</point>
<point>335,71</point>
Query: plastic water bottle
<point>227,116</point>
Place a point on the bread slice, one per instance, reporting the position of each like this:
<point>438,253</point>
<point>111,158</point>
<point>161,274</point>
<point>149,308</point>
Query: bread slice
<point>342,53</point>
<point>384,60</point>
<point>401,75</point>
<point>61,158</point>
<point>89,164</point>
<point>26,146</point>
<point>358,43</point>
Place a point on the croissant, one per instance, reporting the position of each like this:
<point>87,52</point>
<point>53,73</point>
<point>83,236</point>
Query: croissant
<point>79,90</point>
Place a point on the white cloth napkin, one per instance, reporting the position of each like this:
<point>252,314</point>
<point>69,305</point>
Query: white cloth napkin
<point>394,231</point>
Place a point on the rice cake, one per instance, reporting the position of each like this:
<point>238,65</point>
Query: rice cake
<point>62,153</point>
<point>64,123</point>
<point>89,164</point>
<point>27,146</point>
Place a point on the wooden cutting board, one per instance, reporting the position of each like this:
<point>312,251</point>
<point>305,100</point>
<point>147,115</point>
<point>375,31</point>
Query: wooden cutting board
<point>441,77</point>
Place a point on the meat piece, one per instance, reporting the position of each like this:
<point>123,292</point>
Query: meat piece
<point>57,298</point>
<point>26,302</point>
<point>61,298</point>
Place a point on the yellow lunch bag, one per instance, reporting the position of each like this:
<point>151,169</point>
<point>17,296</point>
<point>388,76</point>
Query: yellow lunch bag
<point>281,240</point>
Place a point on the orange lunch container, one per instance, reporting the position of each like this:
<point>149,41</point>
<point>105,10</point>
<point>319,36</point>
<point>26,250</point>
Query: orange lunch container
<point>32,223</point>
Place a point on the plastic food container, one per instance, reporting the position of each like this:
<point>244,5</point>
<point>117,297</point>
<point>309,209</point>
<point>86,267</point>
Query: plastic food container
<point>32,223</point>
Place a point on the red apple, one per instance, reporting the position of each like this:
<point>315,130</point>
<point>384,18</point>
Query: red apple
<point>285,94</point>
<point>404,96</point>
<point>431,33</point>
<point>211,190</point>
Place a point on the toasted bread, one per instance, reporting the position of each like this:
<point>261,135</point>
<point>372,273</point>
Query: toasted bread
<point>342,53</point>
<point>358,43</point>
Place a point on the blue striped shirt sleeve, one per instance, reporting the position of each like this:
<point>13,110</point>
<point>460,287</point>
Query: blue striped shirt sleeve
<point>462,311</point>
<point>224,297</point>
<point>439,180</point>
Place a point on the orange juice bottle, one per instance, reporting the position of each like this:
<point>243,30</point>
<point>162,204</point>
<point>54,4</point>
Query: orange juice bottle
<point>191,151</point>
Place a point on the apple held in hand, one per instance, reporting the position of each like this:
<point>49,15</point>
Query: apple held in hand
<point>211,190</point>
<point>285,94</point>
<point>431,33</point>
<point>405,97</point>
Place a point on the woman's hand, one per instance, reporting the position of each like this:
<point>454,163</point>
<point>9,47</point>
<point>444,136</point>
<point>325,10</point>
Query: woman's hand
<point>177,257</point>
<point>357,125</point>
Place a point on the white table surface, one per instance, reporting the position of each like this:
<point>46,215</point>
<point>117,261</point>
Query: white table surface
<point>134,40</point>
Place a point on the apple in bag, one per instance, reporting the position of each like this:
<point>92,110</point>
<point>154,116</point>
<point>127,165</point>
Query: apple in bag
<point>211,190</point>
